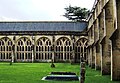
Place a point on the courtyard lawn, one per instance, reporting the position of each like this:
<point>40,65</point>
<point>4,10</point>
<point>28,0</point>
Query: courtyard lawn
<point>33,72</point>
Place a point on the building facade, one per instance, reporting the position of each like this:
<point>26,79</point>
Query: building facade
<point>96,40</point>
<point>104,38</point>
<point>42,41</point>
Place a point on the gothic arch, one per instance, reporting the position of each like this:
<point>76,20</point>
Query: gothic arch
<point>43,48</point>
<point>81,48</point>
<point>83,41</point>
<point>63,49</point>
<point>24,49</point>
<point>5,49</point>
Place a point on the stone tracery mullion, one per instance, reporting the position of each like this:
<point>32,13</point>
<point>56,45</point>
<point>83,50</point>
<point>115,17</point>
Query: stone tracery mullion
<point>48,49</point>
<point>5,49</point>
<point>44,49</point>
<point>24,52</point>
<point>2,50</point>
<point>8,49</point>
<point>63,49</point>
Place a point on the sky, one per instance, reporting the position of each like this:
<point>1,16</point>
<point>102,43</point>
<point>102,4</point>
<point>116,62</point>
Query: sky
<point>38,10</point>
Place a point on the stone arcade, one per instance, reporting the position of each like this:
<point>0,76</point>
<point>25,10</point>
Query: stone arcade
<point>104,38</point>
<point>42,41</point>
<point>97,40</point>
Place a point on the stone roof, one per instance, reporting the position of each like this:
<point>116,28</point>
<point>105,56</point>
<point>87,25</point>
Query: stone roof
<point>42,26</point>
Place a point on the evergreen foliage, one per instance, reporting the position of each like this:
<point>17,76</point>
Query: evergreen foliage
<point>76,13</point>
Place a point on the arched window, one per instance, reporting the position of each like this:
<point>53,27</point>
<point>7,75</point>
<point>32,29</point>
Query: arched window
<point>80,49</point>
<point>43,49</point>
<point>5,49</point>
<point>63,49</point>
<point>24,49</point>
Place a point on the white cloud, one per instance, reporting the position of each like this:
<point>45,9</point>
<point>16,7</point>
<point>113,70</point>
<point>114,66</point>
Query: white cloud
<point>7,19</point>
<point>39,9</point>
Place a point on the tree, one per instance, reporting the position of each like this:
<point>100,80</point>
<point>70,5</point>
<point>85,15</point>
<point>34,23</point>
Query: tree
<point>76,13</point>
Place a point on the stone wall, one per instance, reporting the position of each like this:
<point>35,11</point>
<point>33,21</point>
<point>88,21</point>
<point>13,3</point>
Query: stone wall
<point>105,44</point>
<point>40,48</point>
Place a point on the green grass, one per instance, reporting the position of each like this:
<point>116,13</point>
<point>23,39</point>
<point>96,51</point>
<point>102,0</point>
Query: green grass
<point>33,72</point>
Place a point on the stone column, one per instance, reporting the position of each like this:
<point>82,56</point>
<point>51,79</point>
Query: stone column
<point>115,67</point>
<point>12,55</point>
<point>33,48</point>
<point>15,49</point>
<point>32,53</point>
<point>82,72</point>
<point>106,58</point>
<point>53,49</point>
<point>73,50</point>
<point>97,57</point>
<point>93,57</point>
<point>89,58</point>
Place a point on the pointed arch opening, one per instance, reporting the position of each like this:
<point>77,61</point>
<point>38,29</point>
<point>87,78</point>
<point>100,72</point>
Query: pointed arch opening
<point>5,49</point>
<point>24,49</point>
<point>43,49</point>
<point>81,49</point>
<point>63,49</point>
